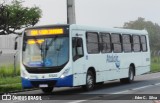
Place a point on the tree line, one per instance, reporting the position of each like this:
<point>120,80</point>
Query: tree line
<point>152,28</point>
<point>14,17</point>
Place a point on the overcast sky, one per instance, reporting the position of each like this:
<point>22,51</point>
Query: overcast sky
<point>101,13</point>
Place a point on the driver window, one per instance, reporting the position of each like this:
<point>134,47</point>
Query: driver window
<point>77,48</point>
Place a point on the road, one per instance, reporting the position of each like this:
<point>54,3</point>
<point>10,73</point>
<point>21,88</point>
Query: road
<point>144,84</point>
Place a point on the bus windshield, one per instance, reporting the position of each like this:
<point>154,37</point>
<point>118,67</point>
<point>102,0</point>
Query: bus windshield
<point>46,52</point>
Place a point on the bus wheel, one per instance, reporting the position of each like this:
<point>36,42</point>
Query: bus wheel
<point>130,78</point>
<point>47,90</point>
<point>89,81</point>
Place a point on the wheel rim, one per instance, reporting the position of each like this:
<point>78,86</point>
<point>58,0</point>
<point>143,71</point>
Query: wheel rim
<point>90,81</point>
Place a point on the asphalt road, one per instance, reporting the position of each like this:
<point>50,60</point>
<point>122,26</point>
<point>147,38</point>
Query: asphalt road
<point>143,85</point>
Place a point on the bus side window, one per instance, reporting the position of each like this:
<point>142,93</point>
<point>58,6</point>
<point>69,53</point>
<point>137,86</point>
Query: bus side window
<point>116,43</point>
<point>77,48</point>
<point>136,43</point>
<point>143,43</point>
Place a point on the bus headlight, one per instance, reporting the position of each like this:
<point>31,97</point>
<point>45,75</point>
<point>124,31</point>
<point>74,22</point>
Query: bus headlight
<point>24,75</point>
<point>64,74</point>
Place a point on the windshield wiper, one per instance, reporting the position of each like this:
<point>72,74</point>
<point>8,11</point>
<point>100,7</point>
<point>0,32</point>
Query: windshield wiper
<point>53,39</point>
<point>38,45</point>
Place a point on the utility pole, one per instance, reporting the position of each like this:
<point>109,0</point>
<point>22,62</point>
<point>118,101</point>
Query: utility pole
<point>71,18</point>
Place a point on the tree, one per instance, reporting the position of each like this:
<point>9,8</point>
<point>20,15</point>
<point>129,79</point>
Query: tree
<point>152,28</point>
<point>15,17</point>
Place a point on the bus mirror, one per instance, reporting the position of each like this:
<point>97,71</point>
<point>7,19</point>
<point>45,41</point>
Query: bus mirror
<point>15,46</point>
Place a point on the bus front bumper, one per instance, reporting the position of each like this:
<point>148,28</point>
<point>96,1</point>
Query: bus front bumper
<point>55,82</point>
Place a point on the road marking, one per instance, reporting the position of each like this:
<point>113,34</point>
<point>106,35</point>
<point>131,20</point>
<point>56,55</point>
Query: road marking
<point>78,101</point>
<point>120,92</point>
<point>157,84</point>
<point>135,89</point>
<point>142,87</point>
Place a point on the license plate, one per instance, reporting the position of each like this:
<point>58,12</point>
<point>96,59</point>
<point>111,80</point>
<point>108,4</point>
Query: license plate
<point>43,85</point>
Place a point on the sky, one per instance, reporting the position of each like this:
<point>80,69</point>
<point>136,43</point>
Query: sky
<point>99,13</point>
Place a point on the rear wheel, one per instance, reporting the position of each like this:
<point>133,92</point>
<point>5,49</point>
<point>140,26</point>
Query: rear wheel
<point>47,90</point>
<point>130,78</point>
<point>90,80</point>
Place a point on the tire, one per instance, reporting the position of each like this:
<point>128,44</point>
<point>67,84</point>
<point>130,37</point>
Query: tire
<point>130,78</point>
<point>47,90</point>
<point>90,81</point>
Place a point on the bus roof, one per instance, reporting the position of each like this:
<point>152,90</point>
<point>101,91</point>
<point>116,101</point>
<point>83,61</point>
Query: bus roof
<point>109,30</point>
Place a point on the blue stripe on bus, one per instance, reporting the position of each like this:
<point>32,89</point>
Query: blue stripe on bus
<point>66,81</point>
<point>61,82</point>
<point>26,83</point>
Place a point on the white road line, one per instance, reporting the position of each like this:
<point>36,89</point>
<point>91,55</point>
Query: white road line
<point>142,87</point>
<point>135,89</point>
<point>120,92</point>
<point>78,101</point>
<point>157,84</point>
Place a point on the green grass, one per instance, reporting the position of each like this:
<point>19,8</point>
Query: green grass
<point>10,88</point>
<point>8,84</point>
<point>8,71</point>
<point>155,64</point>
<point>9,79</point>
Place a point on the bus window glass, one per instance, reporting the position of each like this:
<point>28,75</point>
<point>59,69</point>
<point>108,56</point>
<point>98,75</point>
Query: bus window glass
<point>77,48</point>
<point>116,42</point>
<point>46,52</point>
<point>92,43</point>
<point>143,43</point>
<point>126,43</point>
<point>136,43</point>
<point>106,43</point>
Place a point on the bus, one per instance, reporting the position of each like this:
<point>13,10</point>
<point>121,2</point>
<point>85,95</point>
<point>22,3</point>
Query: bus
<point>74,55</point>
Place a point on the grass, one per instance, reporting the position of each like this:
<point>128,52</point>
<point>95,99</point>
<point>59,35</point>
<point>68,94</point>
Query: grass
<point>8,71</point>
<point>9,79</point>
<point>10,88</point>
<point>155,64</point>
<point>8,84</point>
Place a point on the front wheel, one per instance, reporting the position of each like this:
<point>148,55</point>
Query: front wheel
<point>90,80</point>
<point>47,90</point>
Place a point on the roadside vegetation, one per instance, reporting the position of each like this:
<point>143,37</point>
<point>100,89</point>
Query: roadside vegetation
<point>9,84</point>
<point>9,71</point>
<point>9,79</point>
<point>155,64</point>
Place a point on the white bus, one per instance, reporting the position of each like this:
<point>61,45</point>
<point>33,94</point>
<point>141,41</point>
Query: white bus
<point>73,55</point>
